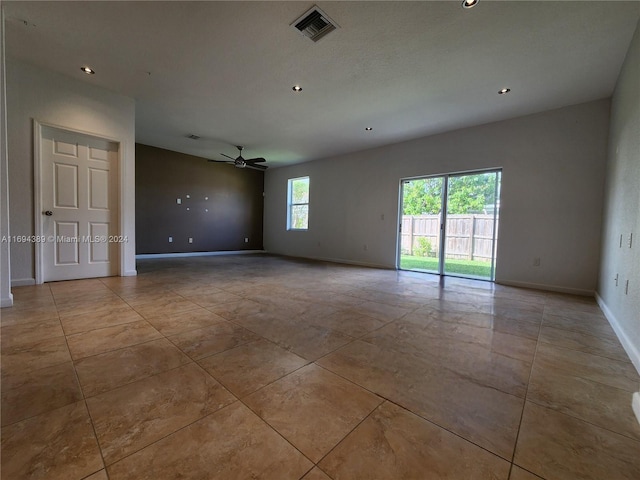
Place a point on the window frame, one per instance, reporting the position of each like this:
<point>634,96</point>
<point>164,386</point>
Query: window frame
<point>291,203</point>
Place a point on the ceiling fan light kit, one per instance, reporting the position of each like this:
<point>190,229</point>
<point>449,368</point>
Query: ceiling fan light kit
<point>240,162</point>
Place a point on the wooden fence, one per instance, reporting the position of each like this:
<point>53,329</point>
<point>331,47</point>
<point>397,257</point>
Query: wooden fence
<point>469,237</point>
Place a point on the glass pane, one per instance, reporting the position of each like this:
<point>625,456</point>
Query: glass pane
<point>300,190</point>
<point>421,218</point>
<point>469,245</point>
<point>300,216</point>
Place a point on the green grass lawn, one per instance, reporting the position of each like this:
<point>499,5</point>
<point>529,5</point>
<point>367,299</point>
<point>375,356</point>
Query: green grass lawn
<point>459,267</point>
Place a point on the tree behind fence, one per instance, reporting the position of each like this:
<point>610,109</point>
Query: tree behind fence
<point>469,237</point>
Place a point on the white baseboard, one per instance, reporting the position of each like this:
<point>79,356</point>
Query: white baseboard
<point>548,288</point>
<point>6,301</point>
<point>130,273</point>
<point>196,254</point>
<point>627,344</point>
<point>635,404</point>
<point>23,282</point>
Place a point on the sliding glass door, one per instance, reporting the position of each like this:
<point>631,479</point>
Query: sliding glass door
<point>449,224</point>
<point>420,235</point>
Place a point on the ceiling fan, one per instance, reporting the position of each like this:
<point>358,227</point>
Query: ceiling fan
<point>240,162</point>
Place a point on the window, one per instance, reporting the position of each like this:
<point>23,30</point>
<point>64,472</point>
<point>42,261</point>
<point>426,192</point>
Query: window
<point>298,204</point>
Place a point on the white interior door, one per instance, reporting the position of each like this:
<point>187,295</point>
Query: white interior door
<point>79,221</point>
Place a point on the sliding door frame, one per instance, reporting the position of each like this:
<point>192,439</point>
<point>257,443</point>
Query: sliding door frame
<point>443,218</point>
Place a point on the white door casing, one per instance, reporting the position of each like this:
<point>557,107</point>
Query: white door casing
<point>77,210</point>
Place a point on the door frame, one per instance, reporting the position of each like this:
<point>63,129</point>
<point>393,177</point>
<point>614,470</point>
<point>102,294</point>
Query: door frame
<point>38,126</point>
<point>443,225</point>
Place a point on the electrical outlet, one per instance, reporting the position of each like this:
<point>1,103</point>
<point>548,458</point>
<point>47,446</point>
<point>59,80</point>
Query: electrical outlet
<point>364,247</point>
<point>190,239</point>
<point>170,239</point>
<point>246,240</point>
<point>179,201</point>
<point>536,262</point>
<point>630,239</point>
<point>188,196</point>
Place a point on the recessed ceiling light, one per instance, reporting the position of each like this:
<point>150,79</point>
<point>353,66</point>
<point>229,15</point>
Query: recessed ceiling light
<point>87,70</point>
<point>469,3</point>
<point>368,129</point>
<point>297,88</point>
<point>503,91</point>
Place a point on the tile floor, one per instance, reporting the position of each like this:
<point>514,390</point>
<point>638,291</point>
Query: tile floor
<point>258,366</point>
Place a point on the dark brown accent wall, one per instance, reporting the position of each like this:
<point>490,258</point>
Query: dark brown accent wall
<point>221,205</point>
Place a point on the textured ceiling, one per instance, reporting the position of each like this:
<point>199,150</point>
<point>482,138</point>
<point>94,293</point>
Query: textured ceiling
<point>225,70</point>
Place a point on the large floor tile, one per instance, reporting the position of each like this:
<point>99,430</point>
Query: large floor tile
<point>591,323</point>
<point>615,373</point>
<point>316,474</point>
<point>591,401</point>
<point>27,312</point>
<point>251,366</point>
<point>308,341</point>
<point>165,306</point>
<point>100,318</point>
<point>213,299</point>
<point>148,295</point>
<point>518,473</point>
<point>239,310</point>
<point>58,445</point>
<point>392,443</point>
<point>90,305</point>
<point>346,321</point>
<point>381,311</point>
<point>172,324</point>
<point>100,475</point>
<point>313,409</point>
<point>104,372</point>
<point>29,394</point>
<point>584,342</point>
<point>33,356</point>
<point>480,413</point>
<point>152,408</point>
<point>497,323</point>
<point>21,333</point>
<point>217,338</point>
<point>491,358</point>
<point>554,445</point>
<point>230,443</point>
<point>95,342</point>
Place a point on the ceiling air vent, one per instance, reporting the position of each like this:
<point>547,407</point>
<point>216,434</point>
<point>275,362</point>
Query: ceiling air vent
<point>193,137</point>
<point>314,24</point>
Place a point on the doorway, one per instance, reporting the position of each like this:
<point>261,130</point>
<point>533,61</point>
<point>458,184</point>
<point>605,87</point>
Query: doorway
<point>77,212</point>
<point>449,224</point>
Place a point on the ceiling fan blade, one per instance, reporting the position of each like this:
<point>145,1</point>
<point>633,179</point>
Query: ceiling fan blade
<point>228,156</point>
<point>256,167</point>
<point>220,161</point>
<point>256,160</point>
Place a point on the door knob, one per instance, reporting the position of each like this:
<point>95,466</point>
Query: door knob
<point>48,213</point>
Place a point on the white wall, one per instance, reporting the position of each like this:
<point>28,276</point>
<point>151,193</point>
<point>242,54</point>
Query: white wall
<point>553,176</point>
<point>622,208</point>
<point>6,298</point>
<point>33,93</point>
